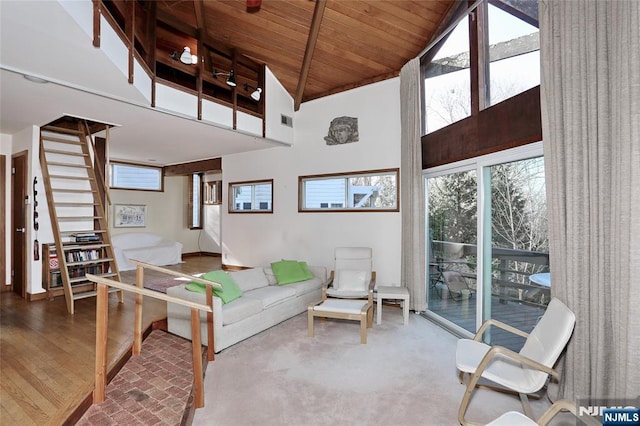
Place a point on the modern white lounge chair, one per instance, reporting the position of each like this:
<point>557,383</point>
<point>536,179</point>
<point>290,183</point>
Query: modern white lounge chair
<point>521,373</point>
<point>515,418</point>
<point>353,276</point>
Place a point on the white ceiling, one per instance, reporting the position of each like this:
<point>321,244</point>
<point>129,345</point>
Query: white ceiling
<point>39,38</point>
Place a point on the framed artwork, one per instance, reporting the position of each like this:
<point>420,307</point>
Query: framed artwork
<point>129,216</point>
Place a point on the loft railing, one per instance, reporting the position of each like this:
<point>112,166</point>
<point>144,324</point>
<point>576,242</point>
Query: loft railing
<point>102,324</point>
<point>137,25</point>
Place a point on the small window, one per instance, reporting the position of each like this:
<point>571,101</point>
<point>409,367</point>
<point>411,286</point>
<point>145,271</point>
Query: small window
<point>251,197</point>
<point>195,201</point>
<point>212,192</point>
<point>135,176</point>
<point>375,190</point>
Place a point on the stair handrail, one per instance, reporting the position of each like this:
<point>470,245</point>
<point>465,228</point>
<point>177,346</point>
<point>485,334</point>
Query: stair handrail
<point>95,156</point>
<point>102,320</point>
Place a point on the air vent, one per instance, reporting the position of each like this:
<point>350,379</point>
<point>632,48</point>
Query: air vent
<point>285,120</point>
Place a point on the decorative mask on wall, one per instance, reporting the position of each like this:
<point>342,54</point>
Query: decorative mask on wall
<point>342,130</point>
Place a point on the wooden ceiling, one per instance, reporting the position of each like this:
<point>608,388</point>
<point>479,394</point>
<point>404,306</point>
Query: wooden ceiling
<point>317,48</point>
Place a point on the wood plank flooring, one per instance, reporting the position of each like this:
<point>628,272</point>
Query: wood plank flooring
<point>47,356</point>
<point>463,313</point>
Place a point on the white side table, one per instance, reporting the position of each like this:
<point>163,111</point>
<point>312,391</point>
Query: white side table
<point>391,292</point>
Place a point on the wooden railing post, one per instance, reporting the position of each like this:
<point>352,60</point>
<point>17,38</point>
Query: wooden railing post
<point>102,311</point>
<point>210,339</point>
<point>196,353</point>
<point>137,332</point>
<point>102,319</point>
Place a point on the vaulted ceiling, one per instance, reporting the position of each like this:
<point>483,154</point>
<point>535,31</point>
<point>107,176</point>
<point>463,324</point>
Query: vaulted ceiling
<point>317,48</point>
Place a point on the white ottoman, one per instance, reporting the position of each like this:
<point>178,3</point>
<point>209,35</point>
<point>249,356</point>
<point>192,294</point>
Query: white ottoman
<point>396,293</point>
<point>358,310</point>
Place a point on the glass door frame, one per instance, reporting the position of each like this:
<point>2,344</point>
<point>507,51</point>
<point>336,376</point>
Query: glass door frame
<point>482,166</point>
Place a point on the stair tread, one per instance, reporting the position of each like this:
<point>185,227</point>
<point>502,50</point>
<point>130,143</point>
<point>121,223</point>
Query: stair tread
<point>88,231</point>
<point>63,152</point>
<point>91,293</point>
<point>74,204</point>
<point>83,279</point>
<point>83,246</point>
<point>56,129</point>
<point>58,163</point>
<point>70,190</point>
<point>79,217</point>
<point>71,177</point>
<point>90,262</point>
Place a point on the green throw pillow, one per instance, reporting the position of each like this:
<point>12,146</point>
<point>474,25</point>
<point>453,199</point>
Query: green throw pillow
<point>196,287</point>
<point>290,271</point>
<point>229,292</point>
<point>305,269</point>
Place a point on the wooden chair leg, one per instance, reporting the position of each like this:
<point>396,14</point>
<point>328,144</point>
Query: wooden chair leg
<point>363,327</point>
<point>310,320</point>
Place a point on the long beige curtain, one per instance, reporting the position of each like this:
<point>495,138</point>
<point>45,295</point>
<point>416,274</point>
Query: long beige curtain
<point>411,190</point>
<point>590,90</point>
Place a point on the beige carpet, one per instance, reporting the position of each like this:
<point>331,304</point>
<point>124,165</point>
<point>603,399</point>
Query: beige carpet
<point>404,375</point>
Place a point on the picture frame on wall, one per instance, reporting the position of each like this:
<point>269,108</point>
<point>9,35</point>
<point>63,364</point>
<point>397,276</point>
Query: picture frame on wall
<point>129,215</point>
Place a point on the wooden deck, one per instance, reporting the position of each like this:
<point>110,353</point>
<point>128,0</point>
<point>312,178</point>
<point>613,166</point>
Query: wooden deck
<point>463,313</point>
<point>48,355</point>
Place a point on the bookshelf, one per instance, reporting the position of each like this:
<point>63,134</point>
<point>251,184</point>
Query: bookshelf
<point>81,259</point>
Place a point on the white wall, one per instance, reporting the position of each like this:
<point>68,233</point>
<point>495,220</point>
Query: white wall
<point>258,239</point>
<point>277,102</point>
<point>6,150</point>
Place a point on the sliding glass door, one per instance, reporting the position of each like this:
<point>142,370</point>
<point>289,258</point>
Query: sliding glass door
<point>487,244</point>
<point>452,225</point>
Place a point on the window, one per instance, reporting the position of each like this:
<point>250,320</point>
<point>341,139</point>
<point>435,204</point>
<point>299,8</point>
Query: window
<point>375,190</point>
<point>514,54</point>
<point>195,201</point>
<point>251,197</point>
<point>135,176</point>
<point>500,53</point>
<point>212,192</point>
<point>447,81</point>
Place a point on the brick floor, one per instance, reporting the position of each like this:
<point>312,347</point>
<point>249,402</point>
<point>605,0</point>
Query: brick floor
<point>151,389</point>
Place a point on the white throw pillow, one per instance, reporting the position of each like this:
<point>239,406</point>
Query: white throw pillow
<point>351,280</point>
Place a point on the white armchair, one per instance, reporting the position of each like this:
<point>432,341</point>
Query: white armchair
<point>353,276</point>
<point>524,372</point>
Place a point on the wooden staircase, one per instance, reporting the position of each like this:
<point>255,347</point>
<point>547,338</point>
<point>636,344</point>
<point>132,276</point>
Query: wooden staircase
<point>78,220</point>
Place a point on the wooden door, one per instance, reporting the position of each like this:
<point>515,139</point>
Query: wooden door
<point>3,225</point>
<point>19,223</point>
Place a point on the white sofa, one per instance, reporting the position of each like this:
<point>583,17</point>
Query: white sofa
<point>262,305</point>
<point>145,247</point>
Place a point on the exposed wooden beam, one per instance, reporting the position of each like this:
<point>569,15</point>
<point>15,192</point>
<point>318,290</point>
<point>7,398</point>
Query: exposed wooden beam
<point>508,124</point>
<point>201,22</point>
<point>314,30</point>
<point>184,169</point>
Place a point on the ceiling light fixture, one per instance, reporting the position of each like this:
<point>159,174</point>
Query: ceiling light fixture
<point>257,92</point>
<point>185,57</point>
<point>231,77</point>
<point>34,79</point>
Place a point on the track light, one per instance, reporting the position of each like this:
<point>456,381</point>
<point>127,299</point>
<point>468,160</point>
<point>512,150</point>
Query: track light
<point>185,57</point>
<point>257,92</point>
<point>231,77</point>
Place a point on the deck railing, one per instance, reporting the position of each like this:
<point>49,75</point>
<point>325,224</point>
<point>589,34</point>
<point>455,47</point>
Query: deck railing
<point>102,323</point>
<point>511,269</point>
